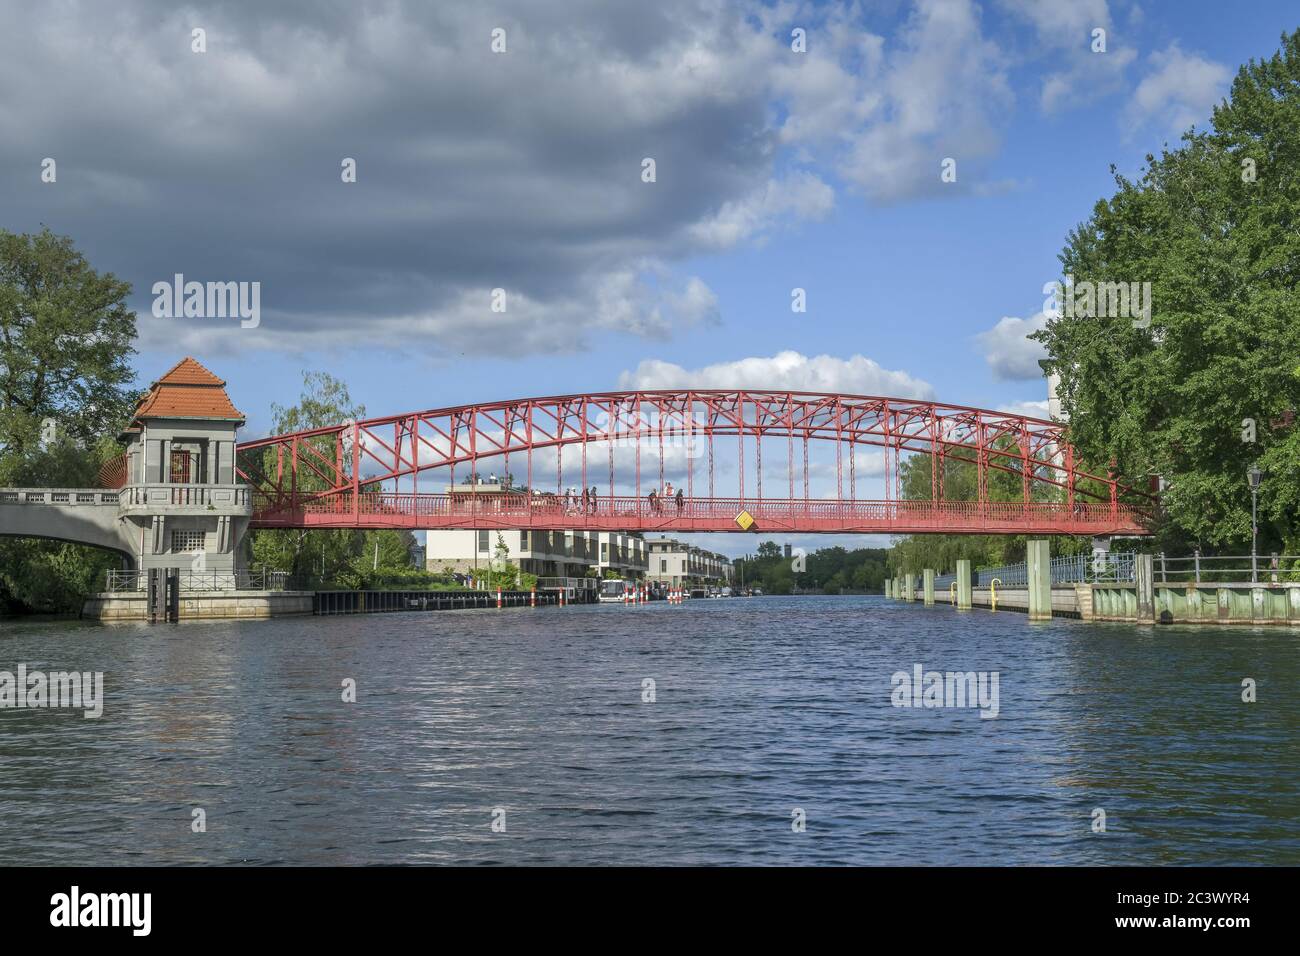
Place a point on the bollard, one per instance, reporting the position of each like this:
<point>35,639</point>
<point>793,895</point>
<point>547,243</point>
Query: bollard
<point>1144,585</point>
<point>532,597</point>
<point>498,598</point>
<point>1038,565</point>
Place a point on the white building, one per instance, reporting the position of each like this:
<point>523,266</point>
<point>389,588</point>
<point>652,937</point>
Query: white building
<point>675,564</point>
<point>547,554</point>
<point>624,554</point>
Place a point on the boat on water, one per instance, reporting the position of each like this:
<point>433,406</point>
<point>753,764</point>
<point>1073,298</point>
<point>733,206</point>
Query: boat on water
<point>616,591</point>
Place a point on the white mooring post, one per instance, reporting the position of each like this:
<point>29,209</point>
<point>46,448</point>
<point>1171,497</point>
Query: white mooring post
<point>1039,567</point>
<point>963,584</point>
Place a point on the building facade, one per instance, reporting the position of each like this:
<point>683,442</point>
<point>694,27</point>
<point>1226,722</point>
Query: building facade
<point>547,554</point>
<point>677,564</point>
<point>180,499</point>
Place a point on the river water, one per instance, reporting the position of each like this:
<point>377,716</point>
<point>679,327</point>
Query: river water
<point>765,712</point>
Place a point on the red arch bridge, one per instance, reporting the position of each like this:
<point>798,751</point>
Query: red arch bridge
<point>768,461</point>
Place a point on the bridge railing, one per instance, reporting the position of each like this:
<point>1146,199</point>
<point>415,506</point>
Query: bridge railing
<point>259,579</point>
<point>643,509</point>
<point>57,496</point>
<point>226,496</point>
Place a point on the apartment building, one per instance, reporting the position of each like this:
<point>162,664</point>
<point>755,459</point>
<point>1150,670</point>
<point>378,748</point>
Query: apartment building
<point>676,564</point>
<point>547,554</point>
<point>624,554</point>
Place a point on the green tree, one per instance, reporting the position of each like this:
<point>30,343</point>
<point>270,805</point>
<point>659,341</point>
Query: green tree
<point>65,344</point>
<point>65,392</point>
<point>911,554</point>
<point>343,557</point>
<point>1212,225</point>
<point>828,570</point>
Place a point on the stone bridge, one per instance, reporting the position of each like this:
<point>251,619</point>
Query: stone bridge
<point>135,520</point>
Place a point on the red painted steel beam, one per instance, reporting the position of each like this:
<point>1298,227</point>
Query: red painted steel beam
<point>389,448</point>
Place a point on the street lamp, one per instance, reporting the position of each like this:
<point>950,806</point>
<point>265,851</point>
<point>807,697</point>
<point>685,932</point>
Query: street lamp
<point>1253,476</point>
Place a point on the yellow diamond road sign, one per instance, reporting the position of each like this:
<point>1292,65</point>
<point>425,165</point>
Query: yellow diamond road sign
<point>745,520</point>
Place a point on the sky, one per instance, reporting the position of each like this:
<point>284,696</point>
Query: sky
<point>503,146</point>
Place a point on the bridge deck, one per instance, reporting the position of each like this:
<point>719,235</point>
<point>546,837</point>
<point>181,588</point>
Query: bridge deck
<point>625,513</point>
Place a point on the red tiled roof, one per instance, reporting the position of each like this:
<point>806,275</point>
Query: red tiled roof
<point>188,390</point>
<point>189,372</point>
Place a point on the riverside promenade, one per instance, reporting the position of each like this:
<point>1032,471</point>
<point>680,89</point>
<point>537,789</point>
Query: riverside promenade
<point>1130,588</point>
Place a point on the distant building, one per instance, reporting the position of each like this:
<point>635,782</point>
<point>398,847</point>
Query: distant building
<point>547,554</point>
<point>624,554</point>
<point>675,564</point>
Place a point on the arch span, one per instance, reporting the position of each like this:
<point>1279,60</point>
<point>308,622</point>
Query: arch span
<point>401,470</point>
<point>58,515</point>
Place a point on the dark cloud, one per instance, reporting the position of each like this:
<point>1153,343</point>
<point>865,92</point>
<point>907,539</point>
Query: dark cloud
<point>475,170</point>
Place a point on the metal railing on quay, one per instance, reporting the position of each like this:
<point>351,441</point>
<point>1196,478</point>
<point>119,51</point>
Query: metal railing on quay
<point>259,579</point>
<point>1226,569</point>
<point>1065,569</point>
<point>1120,567</point>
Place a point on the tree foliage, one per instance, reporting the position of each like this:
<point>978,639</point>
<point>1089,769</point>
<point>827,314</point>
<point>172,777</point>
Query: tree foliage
<point>65,391</point>
<point>65,344</point>
<point>338,557</point>
<point>1214,226</point>
<point>911,554</point>
<point>826,570</point>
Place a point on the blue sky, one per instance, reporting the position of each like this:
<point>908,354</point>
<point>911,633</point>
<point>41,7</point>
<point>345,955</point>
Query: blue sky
<point>775,170</point>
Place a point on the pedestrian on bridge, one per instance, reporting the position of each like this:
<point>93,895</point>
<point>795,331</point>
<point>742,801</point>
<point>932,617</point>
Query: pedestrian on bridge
<point>680,500</point>
<point>593,499</point>
<point>654,502</point>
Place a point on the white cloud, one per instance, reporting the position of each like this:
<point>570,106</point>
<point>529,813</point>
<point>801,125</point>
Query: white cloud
<point>1010,354</point>
<point>786,370</point>
<point>1063,29</point>
<point>1180,89</point>
<point>887,116</point>
<point>1028,409</point>
<point>801,195</point>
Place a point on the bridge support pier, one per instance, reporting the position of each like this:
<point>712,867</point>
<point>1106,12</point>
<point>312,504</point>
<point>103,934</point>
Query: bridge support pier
<point>927,587</point>
<point>909,587</point>
<point>963,584</point>
<point>1038,563</point>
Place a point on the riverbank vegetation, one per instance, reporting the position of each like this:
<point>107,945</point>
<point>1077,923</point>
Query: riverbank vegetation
<point>832,570</point>
<point>1208,385</point>
<point>66,339</point>
<point>336,557</point>
<point>1212,385</point>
